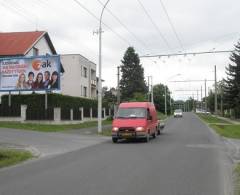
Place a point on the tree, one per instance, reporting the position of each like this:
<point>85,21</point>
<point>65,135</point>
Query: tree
<point>190,104</point>
<point>232,82</point>
<point>109,96</point>
<point>139,97</point>
<point>159,98</point>
<point>132,80</point>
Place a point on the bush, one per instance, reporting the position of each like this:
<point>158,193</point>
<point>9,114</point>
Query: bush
<point>54,100</point>
<point>36,104</point>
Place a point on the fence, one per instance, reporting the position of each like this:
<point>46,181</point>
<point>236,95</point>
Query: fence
<point>12,111</point>
<point>39,113</point>
<point>27,113</point>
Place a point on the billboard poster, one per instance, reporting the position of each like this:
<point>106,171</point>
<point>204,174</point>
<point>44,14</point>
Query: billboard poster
<point>38,73</point>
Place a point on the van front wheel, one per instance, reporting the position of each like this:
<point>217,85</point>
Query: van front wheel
<point>114,140</point>
<point>146,139</point>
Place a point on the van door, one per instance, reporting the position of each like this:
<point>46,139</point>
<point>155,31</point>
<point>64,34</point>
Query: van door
<point>149,120</point>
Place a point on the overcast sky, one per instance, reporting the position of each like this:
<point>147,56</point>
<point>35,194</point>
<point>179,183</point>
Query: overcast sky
<point>200,25</point>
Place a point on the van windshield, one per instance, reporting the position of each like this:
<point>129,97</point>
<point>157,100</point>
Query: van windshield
<point>131,113</point>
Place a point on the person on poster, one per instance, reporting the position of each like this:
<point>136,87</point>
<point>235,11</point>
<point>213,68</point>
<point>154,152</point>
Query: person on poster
<point>21,83</point>
<point>38,84</point>
<point>30,81</point>
<point>54,80</point>
<point>46,82</point>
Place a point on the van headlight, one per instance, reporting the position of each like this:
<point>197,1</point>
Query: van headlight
<point>115,129</point>
<point>140,129</point>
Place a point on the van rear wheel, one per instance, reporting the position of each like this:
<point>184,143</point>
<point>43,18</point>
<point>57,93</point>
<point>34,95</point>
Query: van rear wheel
<point>154,134</point>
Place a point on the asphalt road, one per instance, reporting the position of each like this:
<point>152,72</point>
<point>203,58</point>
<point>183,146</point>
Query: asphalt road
<point>187,159</point>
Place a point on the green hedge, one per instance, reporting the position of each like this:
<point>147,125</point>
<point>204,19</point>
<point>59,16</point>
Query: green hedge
<point>54,100</point>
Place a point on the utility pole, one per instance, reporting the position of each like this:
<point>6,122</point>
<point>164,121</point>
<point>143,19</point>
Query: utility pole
<point>222,102</point>
<point>170,103</point>
<point>148,89</point>
<point>118,89</point>
<point>201,100</point>
<point>205,82</point>
<point>152,89</point>
<point>100,72</point>
<point>197,99</point>
<point>215,78</point>
<point>165,100</point>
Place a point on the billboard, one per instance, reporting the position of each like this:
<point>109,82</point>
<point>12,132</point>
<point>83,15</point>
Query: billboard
<point>36,73</point>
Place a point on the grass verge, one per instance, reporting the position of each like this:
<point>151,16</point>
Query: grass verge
<point>230,131</point>
<point>222,127</point>
<point>161,116</point>
<point>211,119</point>
<point>49,128</point>
<point>11,157</point>
<point>237,180</point>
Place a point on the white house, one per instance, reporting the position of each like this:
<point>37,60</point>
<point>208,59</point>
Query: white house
<point>34,43</point>
<point>79,78</point>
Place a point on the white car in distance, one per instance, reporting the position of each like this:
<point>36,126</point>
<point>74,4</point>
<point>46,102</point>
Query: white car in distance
<point>178,113</point>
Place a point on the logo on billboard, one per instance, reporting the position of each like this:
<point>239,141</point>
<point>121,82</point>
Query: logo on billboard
<point>38,64</point>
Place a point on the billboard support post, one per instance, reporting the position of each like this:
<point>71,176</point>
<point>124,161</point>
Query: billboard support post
<point>46,100</point>
<point>9,99</point>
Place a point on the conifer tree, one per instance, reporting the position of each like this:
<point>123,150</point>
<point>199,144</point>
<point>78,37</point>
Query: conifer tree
<point>232,82</point>
<point>132,80</point>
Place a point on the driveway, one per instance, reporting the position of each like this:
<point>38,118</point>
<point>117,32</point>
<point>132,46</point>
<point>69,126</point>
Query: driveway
<point>45,144</point>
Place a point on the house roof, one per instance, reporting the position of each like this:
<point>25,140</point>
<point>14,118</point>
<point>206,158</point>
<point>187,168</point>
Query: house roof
<point>19,43</point>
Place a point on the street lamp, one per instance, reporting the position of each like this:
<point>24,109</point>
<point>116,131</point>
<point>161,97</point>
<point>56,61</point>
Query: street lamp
<point>100,72</point>
<point>165,89</point>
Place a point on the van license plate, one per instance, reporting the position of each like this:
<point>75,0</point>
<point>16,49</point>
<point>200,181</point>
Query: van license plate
<point>126,134</point>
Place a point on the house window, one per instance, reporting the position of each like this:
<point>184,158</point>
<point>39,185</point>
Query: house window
<point>85,72</point>
<point>85,91</point>
<point>35,52</point>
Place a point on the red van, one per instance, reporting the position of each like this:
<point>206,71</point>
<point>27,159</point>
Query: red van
<point>135,120</point>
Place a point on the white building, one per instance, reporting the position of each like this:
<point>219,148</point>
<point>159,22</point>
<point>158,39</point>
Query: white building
<point>34,43</point>
<point>79,78</point>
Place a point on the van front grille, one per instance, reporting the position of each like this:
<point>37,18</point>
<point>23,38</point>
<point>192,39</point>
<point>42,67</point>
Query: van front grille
<point>126,129</point>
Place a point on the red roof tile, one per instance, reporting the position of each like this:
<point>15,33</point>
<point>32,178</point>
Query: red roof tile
<point>17,43</point>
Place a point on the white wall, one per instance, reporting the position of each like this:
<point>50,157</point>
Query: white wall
<point>73,80</point>
<point>42,46</point>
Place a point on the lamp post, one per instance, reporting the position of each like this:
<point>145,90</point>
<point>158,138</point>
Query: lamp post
<point>165,89</point>
<point>100,72</point>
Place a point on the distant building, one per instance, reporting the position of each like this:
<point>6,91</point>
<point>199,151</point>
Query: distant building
<point>79,78</point>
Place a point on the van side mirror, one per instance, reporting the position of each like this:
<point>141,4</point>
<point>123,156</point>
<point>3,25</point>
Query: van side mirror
<point>149,117</point>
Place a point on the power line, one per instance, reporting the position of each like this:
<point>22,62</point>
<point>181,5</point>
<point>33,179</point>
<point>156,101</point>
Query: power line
<point>187,90</point>
<point>124,26</point>
<point>16,12</point>
<point>187,81</point>
<point>93,15</point>
<point>185,54</point>
<point>171,24</point>
<point>154,24</point>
